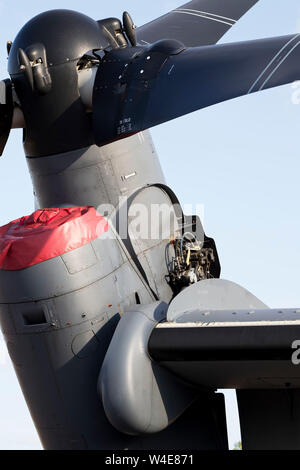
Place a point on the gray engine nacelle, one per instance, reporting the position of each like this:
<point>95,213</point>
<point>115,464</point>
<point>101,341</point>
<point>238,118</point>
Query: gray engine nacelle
<point>58,317</point>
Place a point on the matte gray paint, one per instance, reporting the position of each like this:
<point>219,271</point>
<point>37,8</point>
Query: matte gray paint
<point>58,362</point>
<point>235,320</point>
<point>95,176</point>
<point>139,397</point>
<point>211,294</point>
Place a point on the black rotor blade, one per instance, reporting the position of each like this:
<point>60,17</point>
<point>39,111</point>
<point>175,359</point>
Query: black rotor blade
<point>159,85</point>
<point>6,112</point>
<point>197,23</point>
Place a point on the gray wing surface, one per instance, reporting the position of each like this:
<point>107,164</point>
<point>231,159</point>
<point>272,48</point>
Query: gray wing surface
<point>235,349</point>
<point>219,335</point>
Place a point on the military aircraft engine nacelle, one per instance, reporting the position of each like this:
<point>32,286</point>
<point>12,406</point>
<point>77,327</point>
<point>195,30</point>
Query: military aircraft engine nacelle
<point>58,311</point>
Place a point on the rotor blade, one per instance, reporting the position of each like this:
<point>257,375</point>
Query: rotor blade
<point>161,85</point>
<point>6,112</point>
<point>197,23</point>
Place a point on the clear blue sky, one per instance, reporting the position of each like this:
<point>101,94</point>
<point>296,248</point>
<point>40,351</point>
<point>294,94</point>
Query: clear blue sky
<point>239,159</point>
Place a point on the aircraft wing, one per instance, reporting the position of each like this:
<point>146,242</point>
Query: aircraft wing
<point>214,334</point>
<point>196,23</point>
<point>238,349</point>
<point>217,334</point>
<point>255,351</point>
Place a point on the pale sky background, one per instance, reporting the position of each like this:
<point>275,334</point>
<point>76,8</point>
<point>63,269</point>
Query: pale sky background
<point>239,159</point>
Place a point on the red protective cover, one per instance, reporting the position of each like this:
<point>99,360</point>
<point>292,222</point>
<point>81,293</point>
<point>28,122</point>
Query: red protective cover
<point>48,233</point>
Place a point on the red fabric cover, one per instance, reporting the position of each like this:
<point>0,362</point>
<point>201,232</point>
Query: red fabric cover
<point>48,233</point>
